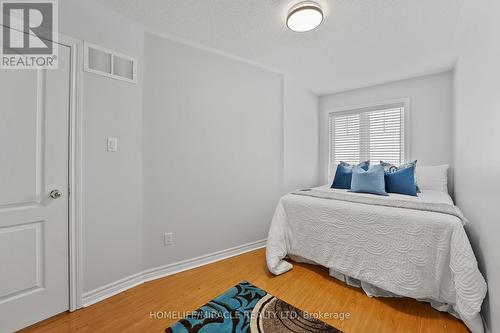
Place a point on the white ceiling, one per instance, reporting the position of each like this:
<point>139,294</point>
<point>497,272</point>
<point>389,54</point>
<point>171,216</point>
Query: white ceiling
<point>359,43</point>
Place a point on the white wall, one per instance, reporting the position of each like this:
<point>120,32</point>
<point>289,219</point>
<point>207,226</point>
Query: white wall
<point>301,136</point>
<point>477,135</point>
<point>219,142</point>
<point>431,116</point>
<point>213,151</point>
<point>112,182</point>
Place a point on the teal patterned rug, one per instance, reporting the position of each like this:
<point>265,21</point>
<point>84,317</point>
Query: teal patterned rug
<point>246,308</point>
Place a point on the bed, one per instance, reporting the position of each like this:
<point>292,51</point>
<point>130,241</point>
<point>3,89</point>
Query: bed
<point>390,246</point>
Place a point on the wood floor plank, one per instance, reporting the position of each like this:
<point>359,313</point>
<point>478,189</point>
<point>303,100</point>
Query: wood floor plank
<point>307,287</point>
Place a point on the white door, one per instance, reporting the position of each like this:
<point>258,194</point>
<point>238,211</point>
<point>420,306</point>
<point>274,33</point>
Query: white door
<point>34,125</point>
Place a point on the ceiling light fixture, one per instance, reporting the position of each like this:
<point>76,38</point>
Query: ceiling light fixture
<point>304,16</point>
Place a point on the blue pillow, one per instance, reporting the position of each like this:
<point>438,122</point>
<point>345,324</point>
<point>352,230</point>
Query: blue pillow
<point>390,168</point>
<point>371,181</point>
<point>343,174</point>
<point>401,181</point>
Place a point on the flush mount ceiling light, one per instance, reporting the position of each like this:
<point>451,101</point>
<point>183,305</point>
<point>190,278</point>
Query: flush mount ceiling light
<point>304,16</point>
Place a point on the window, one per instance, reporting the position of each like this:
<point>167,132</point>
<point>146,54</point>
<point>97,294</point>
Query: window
<point>373,133</point>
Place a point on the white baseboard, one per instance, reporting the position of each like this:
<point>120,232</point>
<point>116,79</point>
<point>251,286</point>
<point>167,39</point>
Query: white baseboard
<point>111,289</point>
<point>131,281</point>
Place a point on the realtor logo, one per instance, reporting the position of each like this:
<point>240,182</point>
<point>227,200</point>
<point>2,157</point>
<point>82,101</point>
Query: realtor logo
<point>29,34</point>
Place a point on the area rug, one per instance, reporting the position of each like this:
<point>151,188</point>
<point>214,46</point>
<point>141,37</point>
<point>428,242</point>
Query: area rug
<point>246,308</point>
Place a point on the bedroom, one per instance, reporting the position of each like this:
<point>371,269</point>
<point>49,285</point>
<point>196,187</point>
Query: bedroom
<point>179,148</point>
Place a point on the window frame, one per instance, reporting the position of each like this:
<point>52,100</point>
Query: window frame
<point>354,109</point>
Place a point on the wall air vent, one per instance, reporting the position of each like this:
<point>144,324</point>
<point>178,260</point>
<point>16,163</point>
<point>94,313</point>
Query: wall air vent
<point>99,60</point>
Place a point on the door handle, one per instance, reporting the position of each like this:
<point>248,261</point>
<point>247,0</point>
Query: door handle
<point>55,194</point>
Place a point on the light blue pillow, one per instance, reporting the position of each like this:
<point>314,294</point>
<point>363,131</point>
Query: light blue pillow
<point>371,181</point>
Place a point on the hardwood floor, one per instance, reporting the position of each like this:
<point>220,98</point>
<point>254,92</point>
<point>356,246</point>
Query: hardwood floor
<point>307,287</point>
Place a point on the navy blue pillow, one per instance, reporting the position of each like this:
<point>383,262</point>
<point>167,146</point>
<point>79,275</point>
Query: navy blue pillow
<point>401,181</point>
<point>343,174</point>
<point>389,168</point>
<point>371,181</point>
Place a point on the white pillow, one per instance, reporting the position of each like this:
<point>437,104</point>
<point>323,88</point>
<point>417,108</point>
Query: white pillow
<point>433,178</point>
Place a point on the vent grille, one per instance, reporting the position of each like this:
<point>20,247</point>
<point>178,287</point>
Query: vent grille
<point>99,60</point>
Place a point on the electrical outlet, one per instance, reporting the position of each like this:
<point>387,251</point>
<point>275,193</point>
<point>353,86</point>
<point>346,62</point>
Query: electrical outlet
<point>168,238</point>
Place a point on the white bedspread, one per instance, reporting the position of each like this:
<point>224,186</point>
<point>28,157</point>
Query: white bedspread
<point>416,253</point>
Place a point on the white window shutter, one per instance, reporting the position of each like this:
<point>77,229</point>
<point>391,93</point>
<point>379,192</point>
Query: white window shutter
<point>372,134</point>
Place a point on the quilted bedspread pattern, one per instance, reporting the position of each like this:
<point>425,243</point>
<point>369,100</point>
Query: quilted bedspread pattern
<point>421,254</point>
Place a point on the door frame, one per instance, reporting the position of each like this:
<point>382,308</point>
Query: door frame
<point>75,251</point>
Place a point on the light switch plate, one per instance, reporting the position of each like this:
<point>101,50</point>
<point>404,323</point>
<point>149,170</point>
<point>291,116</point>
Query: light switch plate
<point>112,144</point>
